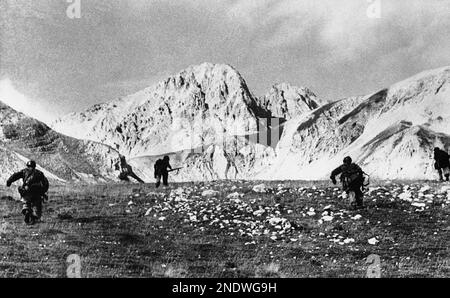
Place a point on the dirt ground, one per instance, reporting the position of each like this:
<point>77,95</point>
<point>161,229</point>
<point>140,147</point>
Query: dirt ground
<point>231,229</point>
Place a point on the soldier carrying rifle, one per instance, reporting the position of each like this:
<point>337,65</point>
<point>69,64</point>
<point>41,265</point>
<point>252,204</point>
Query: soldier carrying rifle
<point>442,164</point>
<point>161,171</point>
<point>126,170</point>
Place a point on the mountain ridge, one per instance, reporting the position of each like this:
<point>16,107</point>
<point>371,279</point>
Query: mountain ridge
<point>63,158</point>
<point>234,127</point>
<point>207,97</point>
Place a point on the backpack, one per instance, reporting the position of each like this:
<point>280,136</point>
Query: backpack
<point>158,166</point>
<point>34,182</point>
<point>352,177</point>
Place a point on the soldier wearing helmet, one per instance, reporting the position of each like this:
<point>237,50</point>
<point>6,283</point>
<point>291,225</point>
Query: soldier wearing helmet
<point>161,171</point>
<point>126,170</point>
<point>442,164</point>
<point>31,164</point>
<point>351,176</point>
<point>33,191</point>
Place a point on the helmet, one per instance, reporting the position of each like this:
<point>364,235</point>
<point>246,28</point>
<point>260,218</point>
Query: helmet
<point>31,164</point>
<point>347,160</point>
<point>436,149</point>
<point>166,157</point>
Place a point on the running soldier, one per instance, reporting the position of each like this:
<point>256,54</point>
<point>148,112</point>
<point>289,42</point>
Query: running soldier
<point>33,191</point>
<point>352,181</point>
<point>161,171</point>
<point>442,164</point>
<point>126,170</point>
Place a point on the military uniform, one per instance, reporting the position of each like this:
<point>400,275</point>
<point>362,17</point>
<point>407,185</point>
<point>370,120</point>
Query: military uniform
<point>33,190</point>
<point>161,171</point>
<point>126,171</point>
<point>352,181</point>
<point>442,164</point>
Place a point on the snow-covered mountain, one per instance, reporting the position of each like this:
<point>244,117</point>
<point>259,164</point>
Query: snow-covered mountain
<point>207,120</point>
<point>286,101</point>
<point>391,133</point>
<point>62,158</point>
<point>189,109</point>
<point>205,110</point>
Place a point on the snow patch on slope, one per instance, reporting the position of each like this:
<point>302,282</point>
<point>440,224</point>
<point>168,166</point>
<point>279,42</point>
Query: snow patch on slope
<point>391,133</point>
<point>47,173</point>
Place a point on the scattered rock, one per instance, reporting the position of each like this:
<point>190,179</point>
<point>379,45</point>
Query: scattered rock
<point>349,240</point>
<point>327,218</point>
<point>424,189</point>
<point>235,195</point>
<point>418,205</point>
<point>406,196</point>
<point>373,241</point>
<point>260,188</point>
<point>210,193</point>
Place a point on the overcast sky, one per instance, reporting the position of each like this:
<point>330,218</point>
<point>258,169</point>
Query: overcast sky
<point>336,48</point>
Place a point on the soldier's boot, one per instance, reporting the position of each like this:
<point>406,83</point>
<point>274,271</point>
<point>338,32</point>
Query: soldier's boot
<point>32,219</point>
<point>359,203</point>
<point>27,215</point>
<point>158,181</point>
<point>352,199</point>
<point>37,214</point>
<point>26,210</point>
<point>165,180</point>
<point>359,198</point>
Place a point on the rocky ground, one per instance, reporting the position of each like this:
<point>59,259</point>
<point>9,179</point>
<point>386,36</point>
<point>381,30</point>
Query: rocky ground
<point>231,229</point>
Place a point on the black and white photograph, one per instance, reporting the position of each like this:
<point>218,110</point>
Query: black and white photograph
<point>237,140</point>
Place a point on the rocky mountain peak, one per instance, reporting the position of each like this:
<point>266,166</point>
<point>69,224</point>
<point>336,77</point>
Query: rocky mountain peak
<point>192,109</point>
<point>287,101</point>
<point>187,109</point>
<point>62,158</point>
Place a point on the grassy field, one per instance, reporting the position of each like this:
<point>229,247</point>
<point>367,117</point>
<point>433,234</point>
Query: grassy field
<point>229,229</point>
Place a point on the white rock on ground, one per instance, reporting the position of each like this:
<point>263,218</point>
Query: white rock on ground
<point>210,193</point>
<point>260,188</point>
<point>373,241</point>
<point>235,195</point>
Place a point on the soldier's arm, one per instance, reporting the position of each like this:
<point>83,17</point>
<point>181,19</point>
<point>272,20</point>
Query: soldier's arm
<point>45,183</point>
<point>14,177</point>
<point>336,172</point>
<point>360,171</point>
<point>169,166</point>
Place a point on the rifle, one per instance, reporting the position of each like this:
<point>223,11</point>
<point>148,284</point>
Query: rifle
<point>368,180</point>
<point>176,169</point>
